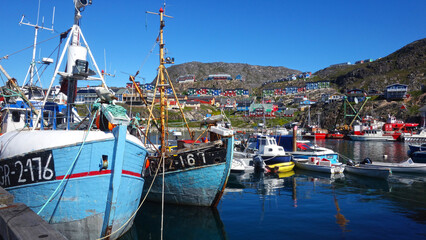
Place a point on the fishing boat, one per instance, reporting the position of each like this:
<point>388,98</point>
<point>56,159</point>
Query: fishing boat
<point>407,166</point>
<point>194,173</point>
<point>319,165</point>
<point>86,183</point>
<point>372,135</point>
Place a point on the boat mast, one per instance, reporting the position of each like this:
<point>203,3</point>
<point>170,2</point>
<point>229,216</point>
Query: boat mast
<point>31,69</point>
<point>162,81</point>
<point>162,85</point>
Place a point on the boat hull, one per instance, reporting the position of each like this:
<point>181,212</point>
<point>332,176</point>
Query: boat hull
<point>419,157</point>
<point>401,167</point>
<point>197,186</point>
<point>281,167</point>
<point>318,168</point>
<point>92,201</point>
<point>371,138</point>
<point>276,159</point>
<point>368,172</point>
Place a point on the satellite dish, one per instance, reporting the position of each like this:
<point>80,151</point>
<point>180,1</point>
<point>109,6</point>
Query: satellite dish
<point>356,100</point>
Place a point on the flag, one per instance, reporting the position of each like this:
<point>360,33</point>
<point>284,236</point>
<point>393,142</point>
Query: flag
<point>403,107</point>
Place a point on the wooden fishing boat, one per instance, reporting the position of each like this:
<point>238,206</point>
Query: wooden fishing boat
<point>193,173</point>
<point>85,181</point>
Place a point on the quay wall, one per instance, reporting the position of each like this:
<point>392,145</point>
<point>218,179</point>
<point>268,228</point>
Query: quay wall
<point>18,221</point>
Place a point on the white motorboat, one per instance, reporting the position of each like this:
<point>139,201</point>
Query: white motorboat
<point>407,166</point>
<point>319,165</point>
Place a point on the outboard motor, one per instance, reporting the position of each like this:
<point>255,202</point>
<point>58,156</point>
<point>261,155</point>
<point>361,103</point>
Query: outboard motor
<point>350,163</point>
<point>366,161</point>
<point>258,162</point>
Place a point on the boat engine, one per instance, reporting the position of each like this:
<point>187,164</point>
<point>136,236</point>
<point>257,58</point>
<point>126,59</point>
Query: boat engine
<point>258,162</point>
<point>350,163</point>
<point>366,161</point>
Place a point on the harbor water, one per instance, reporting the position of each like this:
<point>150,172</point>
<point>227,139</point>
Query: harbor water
<point>303,205</point>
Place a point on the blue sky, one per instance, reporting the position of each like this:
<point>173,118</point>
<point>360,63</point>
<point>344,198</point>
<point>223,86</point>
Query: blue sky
<point>302,35</point>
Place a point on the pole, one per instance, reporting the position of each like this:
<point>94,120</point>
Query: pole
<point>295,138</point>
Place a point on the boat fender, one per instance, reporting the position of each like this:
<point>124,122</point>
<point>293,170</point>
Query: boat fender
<point>103,124</point>
<point>366,161</point>
<point>104,162</point>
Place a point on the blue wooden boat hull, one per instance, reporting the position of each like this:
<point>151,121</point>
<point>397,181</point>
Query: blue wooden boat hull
<point>92,201</point>
<point>197,186</point>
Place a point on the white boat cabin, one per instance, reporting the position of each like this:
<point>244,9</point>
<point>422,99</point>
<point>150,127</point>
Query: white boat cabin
<point>269,147</point>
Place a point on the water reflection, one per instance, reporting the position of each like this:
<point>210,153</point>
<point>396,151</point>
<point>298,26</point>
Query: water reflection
<point>180,222</point>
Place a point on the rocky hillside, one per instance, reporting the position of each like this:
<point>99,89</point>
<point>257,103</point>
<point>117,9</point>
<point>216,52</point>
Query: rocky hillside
<point>253,75</point>
<point>406,66</point>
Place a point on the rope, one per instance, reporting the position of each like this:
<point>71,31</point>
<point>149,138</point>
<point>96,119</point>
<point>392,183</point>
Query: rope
<point>8,55</point>
<point>69,169</point>
<point>140,205</point>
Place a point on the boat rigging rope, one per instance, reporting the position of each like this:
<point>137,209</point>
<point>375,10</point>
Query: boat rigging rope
<point>70,168</point>
<point>140,205</point>
<point>32,45</point>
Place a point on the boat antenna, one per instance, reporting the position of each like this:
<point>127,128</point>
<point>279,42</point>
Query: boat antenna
<point>31,70</point>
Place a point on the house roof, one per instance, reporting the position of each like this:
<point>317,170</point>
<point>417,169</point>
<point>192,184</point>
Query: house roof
<point>121,91</point>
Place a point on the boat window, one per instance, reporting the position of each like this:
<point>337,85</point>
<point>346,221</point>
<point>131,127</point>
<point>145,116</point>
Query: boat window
<point>263,142</point>
<point>16,115</point>
<point>270,149</point>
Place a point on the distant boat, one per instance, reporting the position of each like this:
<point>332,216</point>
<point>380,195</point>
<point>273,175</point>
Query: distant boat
<point>372,135</point>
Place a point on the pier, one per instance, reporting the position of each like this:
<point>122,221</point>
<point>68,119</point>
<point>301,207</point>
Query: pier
<point>18,221</point>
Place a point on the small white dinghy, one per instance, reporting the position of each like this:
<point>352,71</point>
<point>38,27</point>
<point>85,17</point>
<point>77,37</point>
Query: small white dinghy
<point>407,166</point>
<point>319,165</point>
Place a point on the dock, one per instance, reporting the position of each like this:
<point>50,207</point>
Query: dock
<point>18,221</point>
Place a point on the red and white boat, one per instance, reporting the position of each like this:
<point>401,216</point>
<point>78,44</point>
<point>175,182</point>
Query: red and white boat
<point>398,129</point>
